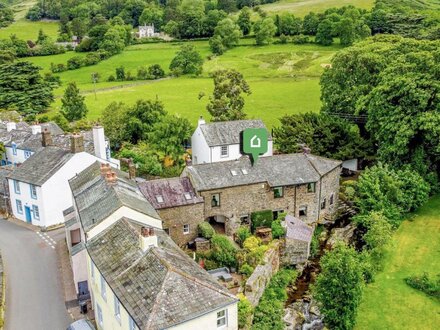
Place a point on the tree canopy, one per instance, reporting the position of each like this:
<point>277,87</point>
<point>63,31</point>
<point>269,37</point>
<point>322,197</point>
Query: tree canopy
<point>72,103</point>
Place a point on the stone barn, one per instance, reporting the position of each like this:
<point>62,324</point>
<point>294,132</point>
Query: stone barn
<point>298,238</point>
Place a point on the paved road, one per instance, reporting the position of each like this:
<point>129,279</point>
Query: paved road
<point>34,295</point>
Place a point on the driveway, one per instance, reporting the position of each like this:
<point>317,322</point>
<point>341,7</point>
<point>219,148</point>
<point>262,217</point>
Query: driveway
<point>34,294</point>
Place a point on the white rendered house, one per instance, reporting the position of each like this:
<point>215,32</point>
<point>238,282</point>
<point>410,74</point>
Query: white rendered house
<point>220,141</point>
<point>39,188</point>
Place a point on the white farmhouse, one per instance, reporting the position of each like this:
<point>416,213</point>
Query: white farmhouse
<point>146,31</point>
<point>137,276</point>
<point>220,141</point>
<point>39,188</point>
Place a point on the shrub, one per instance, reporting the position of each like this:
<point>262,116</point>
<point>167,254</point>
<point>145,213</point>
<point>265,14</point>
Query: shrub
<point>210,264</point>
<point>206,230</point>
<point>300,39</point>
<point>314,244</point>
<point>277,230</point>
<point>56,68</point>
<point>223,251</point>
<point>284,39</point>
<point>246,270</point>
<point>251,243</point>
<point>261,218</point>
<point>155,71</point>
<point>425,284</point>
<point>75,62</point>
<point>245,311</point>
<point>111,78</point>
<point>142,73</point>
<point>120,73</point>
<point>242,233</point>
<point>129,77</point>
<point>91,59</point>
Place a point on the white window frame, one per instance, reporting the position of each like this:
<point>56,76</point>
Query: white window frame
<point>99,312</point>
<point>14,149</point>
<point>117,306</point>
<point>36,212</point>
<point>186,229</point>
<point>103,289</point>
<point>33,190</point>
<point>17,187</point>
<point>19,209</point>
<point>279,189</point>
<point>92,270</point>
<point>221,318</point>
<point>27,154</point>
<point>224,151</point>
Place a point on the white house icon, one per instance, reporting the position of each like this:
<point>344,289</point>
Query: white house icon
<point>255,142</point>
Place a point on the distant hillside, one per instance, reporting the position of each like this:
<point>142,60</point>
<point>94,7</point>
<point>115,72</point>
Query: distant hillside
<point>413,4</point>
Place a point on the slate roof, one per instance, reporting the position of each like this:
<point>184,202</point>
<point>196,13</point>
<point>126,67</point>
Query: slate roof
<point>277,170</point>
<point>171,191</point>
<point>228,132</point>
<point>297,229</point>
<point>95,199</point>
<point>40,167</point>
<point>161,287</point>
<point>4,172</point>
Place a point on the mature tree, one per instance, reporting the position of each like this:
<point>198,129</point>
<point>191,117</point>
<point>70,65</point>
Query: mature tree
<point>152,14</point>
<point>347,33</point>
<point>141,118</point>
<point>327,136</point>
<point>7,56</point>
<point>213,17</point>
<point>170,135</point>
<point>310,24</point>
<point>324,35</point>
<point>6,15</point>
<point>132,11</point>
<point>228,6</point>
<point>228,33</point>
<point>42,37</point>
<point>244,20</point>
<point>339,286</point>
<point>113,119</point>
<point>192,15</point>
<point>227,102</point>
<point>72,103</point>
<point>113,41</point>
<point>22,87</point>
<point>264,29</point>
<point>289,25</point>
<point>187,61</point>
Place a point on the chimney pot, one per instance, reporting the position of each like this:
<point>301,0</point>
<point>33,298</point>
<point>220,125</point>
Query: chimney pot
<point>46,138</point>
<point>111,177</point>
<point>76,143</point>
<point>131,170</point>
<point>201,121</point>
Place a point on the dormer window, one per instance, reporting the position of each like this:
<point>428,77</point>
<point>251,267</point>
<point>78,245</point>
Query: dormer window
<point>187,196</point>
<point>159,199</point>
<point>244,171</point>
<point>224,151</point>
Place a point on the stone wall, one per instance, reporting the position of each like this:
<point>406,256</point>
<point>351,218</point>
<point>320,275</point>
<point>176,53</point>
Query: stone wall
<point>329,187</point>
<point>295,252</point>
<point>176,217</point>
<point>262,274</point>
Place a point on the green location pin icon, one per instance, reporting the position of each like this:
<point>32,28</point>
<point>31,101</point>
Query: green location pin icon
<point>254,142</point>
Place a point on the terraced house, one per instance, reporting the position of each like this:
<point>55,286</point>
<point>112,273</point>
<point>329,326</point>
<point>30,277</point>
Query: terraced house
<point>137,276</point>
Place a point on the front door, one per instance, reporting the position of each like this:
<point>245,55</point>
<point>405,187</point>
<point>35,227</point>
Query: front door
<point>27,211</point>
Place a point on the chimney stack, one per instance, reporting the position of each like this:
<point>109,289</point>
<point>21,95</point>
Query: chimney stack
<point>99,143</point>
<point>147,238</point>
<point>201,121</point>
<point>131,170</point>
<point>76,143</point>
<point>111,177</point>
<point>105,168</point>
<point>46,138</point>
<point>10,126</point>
<point>36,129</point>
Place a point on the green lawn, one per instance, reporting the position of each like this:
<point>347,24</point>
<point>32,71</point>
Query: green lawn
<point>283,78</point>
<point>303,7</point>
<point>389,303</point>
<point>25,29</point>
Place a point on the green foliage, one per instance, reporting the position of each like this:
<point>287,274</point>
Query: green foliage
<point>148,161</point>
<point>246,270</point>
<point>227,102</point>
<point>289,25</point>
<point>264,30</point>
<point>120,73</point>
<point>324,35</point>
<point>278,231</point>
<point>327,136</point>
<point>270,310</point>
<point>254,251</point>
<point>314,244</point>
<point>425,284</point>
<point>393,192</point>
<point>152,14</point>
<point>6,15</point>
<point>261,219</point>
<point>187,61</point>
<point>206,230</point>
<point>227,33</point>
<point>339,286</point>
<point>113,119</point>
<point>245,310</point>
<point>223,251</point>
<point>61,121</point>
<point>22,87</point>
<point>311,23</point>
<point>242,234</point>
<point>244,21</point>
<point>75,62</point>
<point>73,106</point>
<point>155,71</point>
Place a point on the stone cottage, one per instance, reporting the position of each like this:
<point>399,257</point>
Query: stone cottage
<point>302,185</point>
<point>177,204</point>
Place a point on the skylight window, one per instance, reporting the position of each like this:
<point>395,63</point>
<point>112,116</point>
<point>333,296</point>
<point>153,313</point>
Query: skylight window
<point>234,172</point>
<point>187,196</point>
<point>159,199</point>
<point>244,171</point>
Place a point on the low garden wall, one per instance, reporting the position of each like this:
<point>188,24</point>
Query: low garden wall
<point>262,274</point>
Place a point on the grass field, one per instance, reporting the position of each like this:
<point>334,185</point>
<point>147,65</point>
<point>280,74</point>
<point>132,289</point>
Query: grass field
<point>25,29</point>
<point>283,78</point>
<point>303,7</point>
<point>389,303</point>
